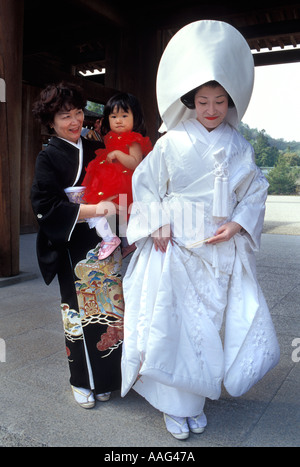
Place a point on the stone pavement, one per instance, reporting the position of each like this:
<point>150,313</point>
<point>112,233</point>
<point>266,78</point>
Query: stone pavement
<point>282,215</point>
<point>36,404</point>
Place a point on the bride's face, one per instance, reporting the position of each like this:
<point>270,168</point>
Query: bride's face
<point>211,106</point>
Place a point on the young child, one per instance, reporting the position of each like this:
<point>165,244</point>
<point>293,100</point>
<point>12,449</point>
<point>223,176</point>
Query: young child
<point>109,174</point>
<point>181,281</point>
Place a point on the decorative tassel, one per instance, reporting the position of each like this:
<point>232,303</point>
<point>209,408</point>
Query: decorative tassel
<point>221,187</point>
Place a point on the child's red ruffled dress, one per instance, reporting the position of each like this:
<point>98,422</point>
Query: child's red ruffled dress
<point>105,179</point>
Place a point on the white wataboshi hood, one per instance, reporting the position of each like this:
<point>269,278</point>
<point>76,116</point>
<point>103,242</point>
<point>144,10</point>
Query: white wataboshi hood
<point>200,52</point>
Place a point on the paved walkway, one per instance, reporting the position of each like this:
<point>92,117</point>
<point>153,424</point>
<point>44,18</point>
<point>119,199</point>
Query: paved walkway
<point>282,215</point>
<point>36,404</point>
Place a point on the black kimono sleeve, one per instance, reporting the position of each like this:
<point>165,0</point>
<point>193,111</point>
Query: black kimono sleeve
<point>55,214</point>
<point>56,169</point>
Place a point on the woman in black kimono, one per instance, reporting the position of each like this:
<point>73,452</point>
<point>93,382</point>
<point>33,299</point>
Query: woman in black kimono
<point>91,291</point>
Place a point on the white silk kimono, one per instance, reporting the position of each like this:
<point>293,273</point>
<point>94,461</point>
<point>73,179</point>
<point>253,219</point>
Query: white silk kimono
<point>173,354</point>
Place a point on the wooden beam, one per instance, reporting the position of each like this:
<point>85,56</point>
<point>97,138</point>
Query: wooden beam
<point>40,75</point>
<point>278,28</point>
<point>174,15</point>
<point>104,9</point>
<point>276,58</point>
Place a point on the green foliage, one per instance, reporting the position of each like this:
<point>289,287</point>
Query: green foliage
<point>282,178</point>
<point>268,150</point>
<point>251,135</point>
<point>292,159</point>
<point>95,107</point>
<point>265,154</point>
<point>282,155</point>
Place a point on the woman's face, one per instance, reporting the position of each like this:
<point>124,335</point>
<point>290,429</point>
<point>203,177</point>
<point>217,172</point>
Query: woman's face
<point>67,124</point>
<point>211,106</point>
<point>121,121</point>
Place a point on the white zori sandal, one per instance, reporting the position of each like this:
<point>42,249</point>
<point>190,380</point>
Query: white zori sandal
<point>198,423</point>
<point>103,397</point>
<point>177,426</point>
<point>84,397</point>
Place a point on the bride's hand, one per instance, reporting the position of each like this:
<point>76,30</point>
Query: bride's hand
<point>161,237</point>
<point>225,233</point>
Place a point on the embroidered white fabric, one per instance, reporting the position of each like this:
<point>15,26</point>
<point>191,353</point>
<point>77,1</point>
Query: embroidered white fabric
<point>175,301</point>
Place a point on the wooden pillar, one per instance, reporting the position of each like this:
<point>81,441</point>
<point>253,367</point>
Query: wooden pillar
<point>150,52</point>
<point>137,57</point>
<point>31,145</point>
<point>11,56</point>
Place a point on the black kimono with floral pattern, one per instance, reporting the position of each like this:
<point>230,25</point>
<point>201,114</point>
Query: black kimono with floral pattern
<point>91,290</point>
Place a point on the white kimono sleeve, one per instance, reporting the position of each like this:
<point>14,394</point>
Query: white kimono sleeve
<point>251,192</point>
<point>251,347</point>
<point>149,186</point>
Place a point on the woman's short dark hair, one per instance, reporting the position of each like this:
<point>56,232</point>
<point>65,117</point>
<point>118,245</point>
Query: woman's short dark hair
<point>124,101</point>
<point>189,98</point>
<point>54,98</point>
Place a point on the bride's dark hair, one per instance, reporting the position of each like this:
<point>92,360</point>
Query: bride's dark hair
<point>189,98</point>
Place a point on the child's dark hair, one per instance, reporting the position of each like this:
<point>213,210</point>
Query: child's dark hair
<point>54,98</point>
<point>124,101</point>
<point>189,98</point>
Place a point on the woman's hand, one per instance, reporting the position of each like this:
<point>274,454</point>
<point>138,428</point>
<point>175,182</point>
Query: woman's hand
<point>105,208</point>
<point>161,238</point>
<point>108,208</point>
<point>225,233</point>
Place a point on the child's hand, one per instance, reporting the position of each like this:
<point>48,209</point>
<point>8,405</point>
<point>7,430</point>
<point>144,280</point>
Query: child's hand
<point>111,156</point>
<point>131,160</point>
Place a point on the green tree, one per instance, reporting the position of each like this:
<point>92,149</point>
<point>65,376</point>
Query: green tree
<point>282,178</point>
<point>95,107</point>
<point>265,154</point>
<point>292,158</point>
<point>260,140</point>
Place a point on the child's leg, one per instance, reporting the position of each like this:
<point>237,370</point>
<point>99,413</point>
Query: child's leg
<point>102,227</point>
<point>109,240</point>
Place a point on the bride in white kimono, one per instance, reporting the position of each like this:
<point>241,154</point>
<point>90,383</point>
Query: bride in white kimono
<point>197,218</point>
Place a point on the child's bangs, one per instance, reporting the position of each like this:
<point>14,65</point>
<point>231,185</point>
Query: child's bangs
<point>119,105</point>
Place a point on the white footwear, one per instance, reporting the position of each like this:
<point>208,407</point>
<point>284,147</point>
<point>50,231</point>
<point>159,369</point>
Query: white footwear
<point>177,426</point>
<point>198,423</point>
<point>103,397</point>
<point>84,397</point>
